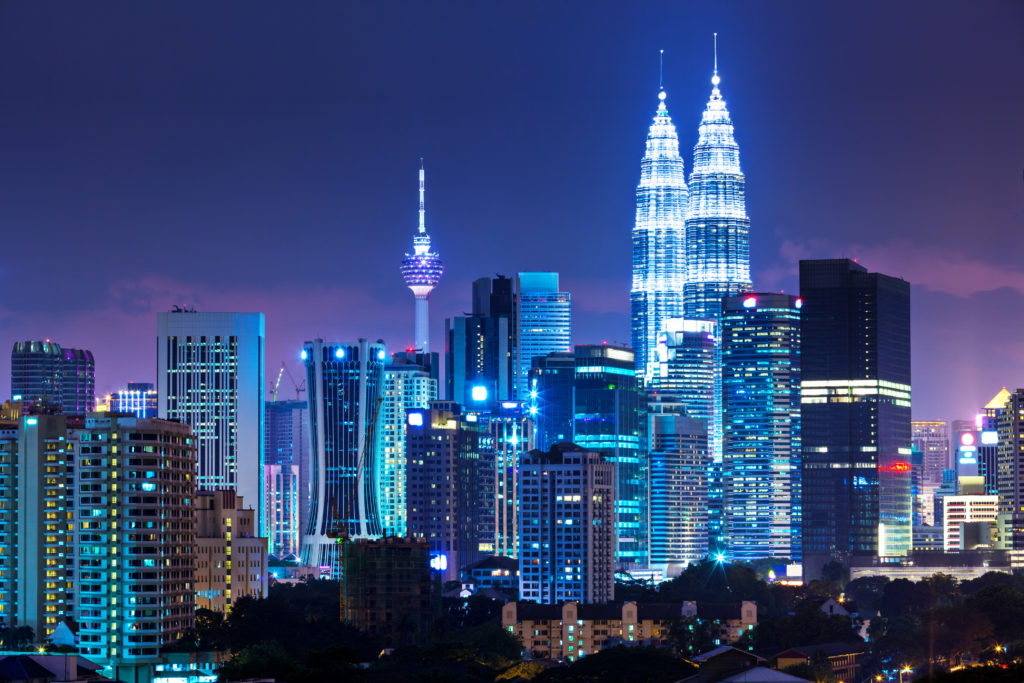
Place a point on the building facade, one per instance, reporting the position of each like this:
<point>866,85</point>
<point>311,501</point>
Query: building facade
<point>761,407</point>
<point>56,378</point>
<point>543,323</point>
<point>36,523</point>
<point>932,439</point>
<point>480,347</point>
<point>1010,471</point>
<point>231,559</point>
<point>567,534</point>
<point>717,226</point>
<point>135,537</point>
<point>608,418</point>
<point>138,398</point>
<point>552,379</point>
<point>679,464</point>
<point>447,484</point>
<point>855,413</point>
<point>286,475</point>
<point>409,383</point>
<point>345,383</point>
<point>210,376</point>
<point>422,270</point>
<point>658,239</point>
<point>507,434</point>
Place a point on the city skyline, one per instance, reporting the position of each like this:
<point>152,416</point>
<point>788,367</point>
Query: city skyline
<point>132,159</point>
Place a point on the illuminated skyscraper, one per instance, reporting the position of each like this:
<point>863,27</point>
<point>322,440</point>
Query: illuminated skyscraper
<point>659,238</point>
<point>761,405</point>
<point>552,379</point>
<point>210,376</point>
<point>61,379</point>
<point>855,414</point>
<point>543,323</point>
<point>345,382</point>
<point>717,226</point>
<point>932,439</point>
<point>480,347</point>
<point>422,270</point>
<point>286,475</point>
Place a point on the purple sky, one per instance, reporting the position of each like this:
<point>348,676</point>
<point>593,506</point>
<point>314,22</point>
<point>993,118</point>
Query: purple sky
<point>263,156</point>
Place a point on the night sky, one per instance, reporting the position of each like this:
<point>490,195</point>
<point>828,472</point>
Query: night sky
<point>263,156</point>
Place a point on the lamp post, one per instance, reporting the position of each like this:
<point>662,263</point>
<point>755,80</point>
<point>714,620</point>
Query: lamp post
<point>904,670</point>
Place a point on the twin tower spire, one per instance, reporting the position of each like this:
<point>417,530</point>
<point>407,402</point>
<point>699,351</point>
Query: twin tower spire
<point>691,243</point>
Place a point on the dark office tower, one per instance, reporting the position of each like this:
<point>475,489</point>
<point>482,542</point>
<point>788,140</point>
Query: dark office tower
<point>607,415</point>
<point>56,379</point>
<point>567,545</point>
<point>679,486</point>
<point>345,384</point>
<point>761,406</point>
<point>1010,470</point>
<point>549,400</point>
<point>286,475</point>
<point>855,413</point>
<point>443,471</point>
<point>479,354</point>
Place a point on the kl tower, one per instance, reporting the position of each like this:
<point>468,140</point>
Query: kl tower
<point>421,271</point>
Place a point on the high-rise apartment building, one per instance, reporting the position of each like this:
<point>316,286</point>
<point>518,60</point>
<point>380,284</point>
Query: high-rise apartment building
<point>480,350</point>
<point>607,418</point>
<point>507,434</point>
<point>549,400</point>
<point>932,439</point>
<point>855,413</point>
<point>443,483</point>
<point>543,323</point>
<point>55,378</point>
<point>422,270</point>
<point>659,239</point>
<point>36,523</point>
<point>345,384</point>
<point>1010,468</point>
<point>135,479</point>
<point>761,407</point>
<point>210,376</point>
<point>717,226</point>
<point>679,486</point>
<point>231,558</point>
<point>567,542</point>
<point>286,475</point>
<point>410,382</point>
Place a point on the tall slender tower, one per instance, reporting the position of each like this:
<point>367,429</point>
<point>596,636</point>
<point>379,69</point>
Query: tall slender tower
<point>717,226</point>
<point>422,270</point>
<point>659,239</point>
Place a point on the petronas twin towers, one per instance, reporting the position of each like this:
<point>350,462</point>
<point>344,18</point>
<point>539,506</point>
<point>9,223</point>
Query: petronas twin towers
<point>691,245</point>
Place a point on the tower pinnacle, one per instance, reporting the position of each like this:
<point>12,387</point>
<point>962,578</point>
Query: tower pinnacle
<point>421,271</point>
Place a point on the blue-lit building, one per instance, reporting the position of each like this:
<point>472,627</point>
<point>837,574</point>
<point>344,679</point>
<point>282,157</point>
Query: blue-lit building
<point>855,414</point>
<point>422,270</point>
<point>717,226</point>
<point>659,239</point>
<point>138,398</point>
<point>480,350</point>
<point>543,323</point>
<point>607,418</point>
<point>567,544</point>
<point>552,379</point>
<point>286,475</point>
<point>55,378</point>
<point>761,406</point>
<point>679,463</point>
<point>344,384</point>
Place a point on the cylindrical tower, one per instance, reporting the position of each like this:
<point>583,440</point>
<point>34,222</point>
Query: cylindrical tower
<point>422,270</point>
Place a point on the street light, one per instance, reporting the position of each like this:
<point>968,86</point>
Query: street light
<point>904,670</point>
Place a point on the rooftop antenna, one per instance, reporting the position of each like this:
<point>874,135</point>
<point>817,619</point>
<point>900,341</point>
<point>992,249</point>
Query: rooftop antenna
<point>661,70</point>
<point>423,213</point>
<point>715,80</point>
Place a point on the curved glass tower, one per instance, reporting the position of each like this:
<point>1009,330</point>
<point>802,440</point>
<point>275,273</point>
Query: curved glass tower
<point>717,226</point>
<point>422,270</point>
<point>659,239</point>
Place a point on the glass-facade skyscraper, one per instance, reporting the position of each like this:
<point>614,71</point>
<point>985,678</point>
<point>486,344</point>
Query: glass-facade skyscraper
<point>717,226</point>
<point>345,383</point>
<point>552,379</point>
<point>855,413</point>
<point>210,376</point>
<point>543,323</point>
<point>659,239</point>
<point>286,475</point>
<point>761,406</point>
<point>479,352</point>
<point>607,418</point>
<point>54,377</point>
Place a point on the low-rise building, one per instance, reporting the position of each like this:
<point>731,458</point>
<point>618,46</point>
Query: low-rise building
<point>231,559</point>
<point>573,630</point>
<point>961,516</point>
<point>845,658</point>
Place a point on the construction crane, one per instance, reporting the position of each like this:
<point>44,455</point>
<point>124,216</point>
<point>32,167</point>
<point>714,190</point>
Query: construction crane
<point>273,392</point>
<point>299,388</point>
<point>340,530</point>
